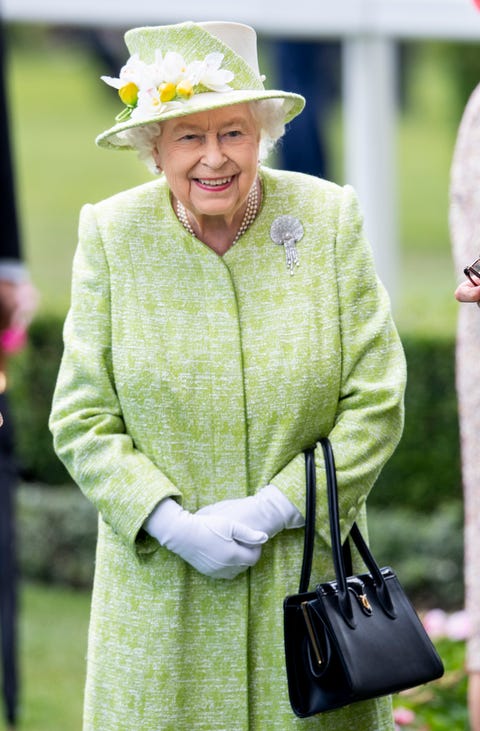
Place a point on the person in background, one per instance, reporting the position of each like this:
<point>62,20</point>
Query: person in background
<point>223,317</point>
<point>310,68</point>
<point>18,300</point>
<point>465,236</point>
<point>469,292</point>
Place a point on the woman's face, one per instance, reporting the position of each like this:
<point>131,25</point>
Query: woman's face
<point>210,159</point>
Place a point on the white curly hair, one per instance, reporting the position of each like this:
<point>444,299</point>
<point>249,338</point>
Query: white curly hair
<point>268,113</point>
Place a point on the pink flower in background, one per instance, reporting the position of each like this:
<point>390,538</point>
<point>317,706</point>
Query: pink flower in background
<point>454,626</point>
<point>458,626</point>
<point>13,339</point>
<point>435,622</point>
<point>403,716</point>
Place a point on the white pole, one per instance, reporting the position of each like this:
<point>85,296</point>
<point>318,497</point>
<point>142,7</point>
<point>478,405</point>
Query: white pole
<point>369,82</point>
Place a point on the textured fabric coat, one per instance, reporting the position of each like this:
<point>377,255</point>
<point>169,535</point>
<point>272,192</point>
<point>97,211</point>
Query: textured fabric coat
<point>202,377</point>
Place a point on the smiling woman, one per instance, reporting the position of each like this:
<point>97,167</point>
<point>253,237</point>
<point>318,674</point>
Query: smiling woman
<point>224,317</point>
<point>210,161</point>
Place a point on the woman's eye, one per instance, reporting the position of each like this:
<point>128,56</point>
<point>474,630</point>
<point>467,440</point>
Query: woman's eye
<point>188,138</point>
<point>233,133</point>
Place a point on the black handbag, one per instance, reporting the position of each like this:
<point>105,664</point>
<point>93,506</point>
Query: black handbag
<point>354,638</point>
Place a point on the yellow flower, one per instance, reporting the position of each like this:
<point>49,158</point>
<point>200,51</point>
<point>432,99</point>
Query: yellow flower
<point>167,91</point>
<point>185,89</point>
<point>129,94</point>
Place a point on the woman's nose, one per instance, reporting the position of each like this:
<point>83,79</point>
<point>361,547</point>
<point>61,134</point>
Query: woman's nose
<point>213,155</point>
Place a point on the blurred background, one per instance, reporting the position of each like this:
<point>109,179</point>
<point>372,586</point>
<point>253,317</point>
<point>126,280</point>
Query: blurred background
<point>57,105</point>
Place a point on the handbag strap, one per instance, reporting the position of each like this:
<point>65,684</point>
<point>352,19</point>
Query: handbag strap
<point>341,554</point>
<point>359,541</point>
<point>310,507</point>
<point>309,535</point>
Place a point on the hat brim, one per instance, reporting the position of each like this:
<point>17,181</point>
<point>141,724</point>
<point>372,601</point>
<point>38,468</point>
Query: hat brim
<point>293,105</point>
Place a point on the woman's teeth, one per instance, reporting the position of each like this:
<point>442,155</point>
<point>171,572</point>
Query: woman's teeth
<point>215,183</point>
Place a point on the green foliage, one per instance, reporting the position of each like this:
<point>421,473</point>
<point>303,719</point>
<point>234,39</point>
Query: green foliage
<point>32,376</point>
<point>426,554</point>
<point>424,472</point>
<point>57,530</point>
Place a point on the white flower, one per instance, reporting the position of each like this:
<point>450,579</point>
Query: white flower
<point>209,74</point>
<point>150,105</point>
<point>149,89</point>
<point>135,71</point>
<point>156,72</point>
<point>174,68</point>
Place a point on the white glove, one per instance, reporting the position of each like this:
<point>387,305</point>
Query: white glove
<point>217,546</point>
<point>268,511</point>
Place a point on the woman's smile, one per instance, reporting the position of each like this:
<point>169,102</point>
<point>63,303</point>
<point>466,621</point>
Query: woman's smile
<point>217,184</point>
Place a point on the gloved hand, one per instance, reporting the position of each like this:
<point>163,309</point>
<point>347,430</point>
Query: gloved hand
<point>268,511</point>
<point>215,545</point>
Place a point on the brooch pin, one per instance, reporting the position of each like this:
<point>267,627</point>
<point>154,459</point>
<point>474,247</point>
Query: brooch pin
<point>286,231</point>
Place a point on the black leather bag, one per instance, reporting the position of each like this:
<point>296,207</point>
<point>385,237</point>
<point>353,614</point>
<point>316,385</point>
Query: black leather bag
<point>354,638</point>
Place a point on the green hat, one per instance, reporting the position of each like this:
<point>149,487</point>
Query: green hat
<point>186,68</point>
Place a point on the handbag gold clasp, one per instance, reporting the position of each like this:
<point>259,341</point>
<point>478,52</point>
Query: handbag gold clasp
<point>363,599</point>
<point>311,633</point>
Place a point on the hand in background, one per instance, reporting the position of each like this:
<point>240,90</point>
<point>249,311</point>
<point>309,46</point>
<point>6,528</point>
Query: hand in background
<point>18,302</point>
<point>468,292</point>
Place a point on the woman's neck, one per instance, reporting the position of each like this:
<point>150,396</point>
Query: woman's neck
<point>219,232</point>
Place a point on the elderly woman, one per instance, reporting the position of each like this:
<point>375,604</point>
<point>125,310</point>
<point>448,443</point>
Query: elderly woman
<point>223,318</point>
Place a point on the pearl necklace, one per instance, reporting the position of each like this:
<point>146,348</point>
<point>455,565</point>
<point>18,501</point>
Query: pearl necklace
<point>250,214</point>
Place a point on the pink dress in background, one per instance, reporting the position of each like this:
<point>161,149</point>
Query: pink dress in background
<point>465,233</point>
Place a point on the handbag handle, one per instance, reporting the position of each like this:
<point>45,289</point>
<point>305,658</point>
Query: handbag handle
<point>309,535</point>
<point>355,534</point>
<point>310,507</point>
<point>335,534</point>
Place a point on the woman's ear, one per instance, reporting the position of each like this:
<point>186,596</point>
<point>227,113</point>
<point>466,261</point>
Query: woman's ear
<point>156,157</point>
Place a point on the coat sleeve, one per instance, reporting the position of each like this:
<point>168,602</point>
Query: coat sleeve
<point>369,417</point>
<point>86,419</point>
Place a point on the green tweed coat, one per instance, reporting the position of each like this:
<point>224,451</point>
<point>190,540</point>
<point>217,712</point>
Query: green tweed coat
<point>202,377</point>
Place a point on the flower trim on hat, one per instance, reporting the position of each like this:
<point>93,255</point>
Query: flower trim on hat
<point>148,90</point>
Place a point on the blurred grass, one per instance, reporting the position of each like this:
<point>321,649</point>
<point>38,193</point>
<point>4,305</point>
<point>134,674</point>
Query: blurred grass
<point>59,105</point>
<point>53,631</point>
